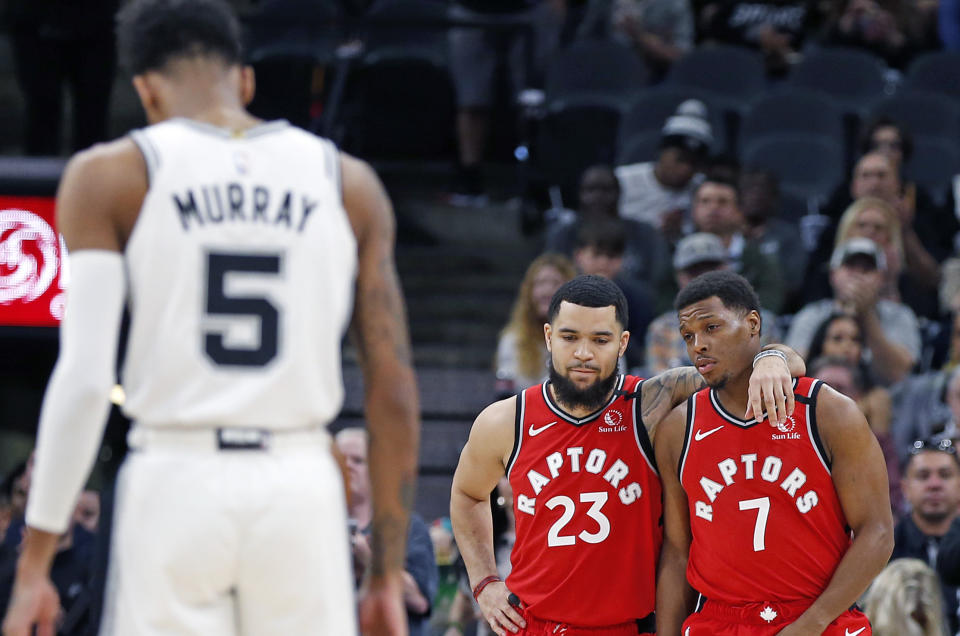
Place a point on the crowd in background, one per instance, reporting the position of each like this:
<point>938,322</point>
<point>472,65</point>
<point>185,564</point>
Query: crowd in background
<point>863,281</point>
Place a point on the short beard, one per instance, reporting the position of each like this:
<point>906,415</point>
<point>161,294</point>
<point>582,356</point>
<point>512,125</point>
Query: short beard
<point>590,398</point>
<point>719,384</point>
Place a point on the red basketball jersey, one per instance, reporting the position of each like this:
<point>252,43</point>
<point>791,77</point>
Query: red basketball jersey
<point>764,514</point>
<point>586,498</point>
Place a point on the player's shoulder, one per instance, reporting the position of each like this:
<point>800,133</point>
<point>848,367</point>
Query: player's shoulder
<point>107,160</point>
<point>493,431</point>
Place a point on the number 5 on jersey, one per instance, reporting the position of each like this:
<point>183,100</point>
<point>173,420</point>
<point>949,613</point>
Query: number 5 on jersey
<point>219,303</point>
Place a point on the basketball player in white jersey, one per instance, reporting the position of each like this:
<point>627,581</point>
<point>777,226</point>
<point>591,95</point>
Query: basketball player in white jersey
<point>241,247</point>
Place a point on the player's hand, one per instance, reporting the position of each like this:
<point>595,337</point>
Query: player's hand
<point>502,617</point>
<point>770,390</point>
<point>33,602</point>
<point>381,607</point>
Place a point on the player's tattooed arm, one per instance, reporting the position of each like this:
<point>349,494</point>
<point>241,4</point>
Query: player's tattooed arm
<point>379,330</point>
<point>770,385</point>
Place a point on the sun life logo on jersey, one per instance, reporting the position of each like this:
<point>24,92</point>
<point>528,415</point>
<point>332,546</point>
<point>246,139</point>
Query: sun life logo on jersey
<point>768,614</point>
<point>614,422</point>
<point>786,429</point>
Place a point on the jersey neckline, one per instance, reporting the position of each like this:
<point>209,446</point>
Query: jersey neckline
<point>224,133</point>
<point>580,421</point>
<point>730,417</point>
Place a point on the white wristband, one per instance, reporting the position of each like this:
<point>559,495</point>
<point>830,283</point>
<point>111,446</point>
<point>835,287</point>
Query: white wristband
<point>768,353</point>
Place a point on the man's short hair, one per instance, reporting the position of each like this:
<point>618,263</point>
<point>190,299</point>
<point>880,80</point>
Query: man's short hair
<point>150,33</point>
<point>588,290</point>
<point>718,178</point>
<point>731,288</point>
<point>605,236</point>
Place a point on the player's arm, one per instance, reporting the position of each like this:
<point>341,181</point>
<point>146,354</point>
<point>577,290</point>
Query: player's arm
<point>481,466</point>
<point>771,384</point>
<point>100,189</point>
<point>860,478</point>
<point>675,597</point>
<point>391,403</point>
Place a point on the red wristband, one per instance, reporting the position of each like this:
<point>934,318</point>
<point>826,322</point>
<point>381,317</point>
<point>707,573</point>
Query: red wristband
<point>484,583</point>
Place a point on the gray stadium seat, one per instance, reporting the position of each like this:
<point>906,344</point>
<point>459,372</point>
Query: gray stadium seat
<point>937,72</point>
<point>791,110</point>
<point>597,70</point>
<point>807,165</point>
<point>855,79</point>
<point>732,74</point>
<point>922,113</point>
<point>933,165</point>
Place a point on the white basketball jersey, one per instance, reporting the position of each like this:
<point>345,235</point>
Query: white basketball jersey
<point>241,267</point>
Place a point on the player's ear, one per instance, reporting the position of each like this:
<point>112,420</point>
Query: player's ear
<point>624,340</point>
<point>754,322</point>
<point>546,335</point>
<point>148,93</point>
<point>248,85</point>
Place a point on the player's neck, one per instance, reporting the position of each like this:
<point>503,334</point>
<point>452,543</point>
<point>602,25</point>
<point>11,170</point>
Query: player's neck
<point>733,395</point>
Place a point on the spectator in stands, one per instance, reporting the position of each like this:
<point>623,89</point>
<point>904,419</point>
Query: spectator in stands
<point>931,485</point>
<point>890,329</point>
<point>57,43</point>
<point>777,28</point>
<point>420,569</point>
<point>659,192</point>
<point>475,55</point>
<point>775,237</point>
<point>847,375</point>
<point>660,30</point>
<point>695,254</point>
<point>87,512</point>
<point>716,209</point>
<point>890,29</point>
<point>906,598</point>
<point>521,359</point>
<point>874,219</point>
<point>645,251</point>
<point>926,230</point>
<point>599,251</point>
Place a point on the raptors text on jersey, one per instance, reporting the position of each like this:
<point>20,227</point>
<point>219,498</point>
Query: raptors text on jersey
<point>588,509</point>
<point>765,518</point>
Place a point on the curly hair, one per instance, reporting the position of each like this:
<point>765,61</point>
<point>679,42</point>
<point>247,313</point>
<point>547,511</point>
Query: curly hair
<point>150,33</point>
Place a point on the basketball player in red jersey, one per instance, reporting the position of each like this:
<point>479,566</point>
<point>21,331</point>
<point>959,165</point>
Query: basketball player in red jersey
<point>586,491</point>
<point>779,530</point>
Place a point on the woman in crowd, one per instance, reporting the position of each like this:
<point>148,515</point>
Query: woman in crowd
<point>521,359</point>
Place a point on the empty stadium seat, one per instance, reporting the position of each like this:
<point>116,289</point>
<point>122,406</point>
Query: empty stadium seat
<point>937,72</point>
<point>855,79</point>
<point>792,110</point>
<point>922,113</point>
<point>807,165</point>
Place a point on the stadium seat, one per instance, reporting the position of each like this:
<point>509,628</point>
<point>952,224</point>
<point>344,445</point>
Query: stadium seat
<point>791,110</point>
<point>934,163</point>
<point>572,138</point>
<point>732,74</point>
<point>640,147</point>
<point>594,71</point>
<point>398,99</point>
<point>853,78</point>
<point>808,166</point>
<point>922,114</point>
<point>937,72</point>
